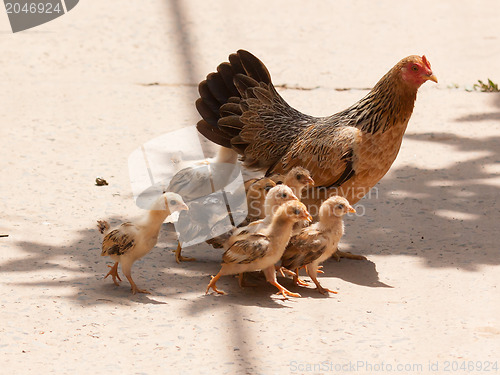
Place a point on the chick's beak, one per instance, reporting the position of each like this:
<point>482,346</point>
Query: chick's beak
<point>308,217</point>
<point>184,207</point>
<point>432,77</point>
<point>351,209</point>
<point>310,181</point>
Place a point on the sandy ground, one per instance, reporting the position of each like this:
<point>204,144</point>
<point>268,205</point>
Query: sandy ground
<point>75,104</point>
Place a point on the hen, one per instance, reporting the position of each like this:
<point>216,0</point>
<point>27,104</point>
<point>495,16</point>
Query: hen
<point>347,153</point>
<point>132,240</point>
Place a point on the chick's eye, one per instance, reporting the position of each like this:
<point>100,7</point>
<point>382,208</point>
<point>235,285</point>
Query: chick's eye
<point>284,195</point>
<point>296,211</point>
<point>172,203</point>
<point>340,206</point>
<point>299,177</point>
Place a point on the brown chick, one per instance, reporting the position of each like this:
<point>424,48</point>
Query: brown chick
<point>261,250</point>
<point>318,242</point>
<point>132,240</point>
<point>297,179</point>
<point>346,153</point>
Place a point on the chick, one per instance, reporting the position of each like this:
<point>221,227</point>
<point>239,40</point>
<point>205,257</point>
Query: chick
<point>276,196</point>
<point>318,242</point>
<point>274,199</point>
<point>261,250</point>
<point>132,240</point>
<point>256,195</point>
<point>297,179</point>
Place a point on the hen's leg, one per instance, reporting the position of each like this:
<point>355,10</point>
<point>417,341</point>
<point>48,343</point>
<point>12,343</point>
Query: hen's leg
<point>270,274</point>
<point>179,258</point>
<point>113,272</point>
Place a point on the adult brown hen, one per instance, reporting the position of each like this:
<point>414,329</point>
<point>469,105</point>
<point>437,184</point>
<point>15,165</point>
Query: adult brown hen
<point>346,153</point>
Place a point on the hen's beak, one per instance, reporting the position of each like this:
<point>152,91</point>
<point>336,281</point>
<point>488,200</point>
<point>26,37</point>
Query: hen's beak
<point>432,78</point>
<point>351,209</point>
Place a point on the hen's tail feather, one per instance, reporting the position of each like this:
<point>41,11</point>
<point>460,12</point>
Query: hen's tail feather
<point>254,67</point>
<point>213,134</point>
<point>221,93</point>
<point>227,74</point>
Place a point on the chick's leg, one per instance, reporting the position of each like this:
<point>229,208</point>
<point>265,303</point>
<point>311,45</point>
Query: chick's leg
<point>212,285</point>
<point>244,283</point>
<point>297,280</point>
<point>312,270</point>
<point>270,273</point>
<point>113,272</point>
<point>283,270</point>
<point>127,271</point>
<point>179,258</point>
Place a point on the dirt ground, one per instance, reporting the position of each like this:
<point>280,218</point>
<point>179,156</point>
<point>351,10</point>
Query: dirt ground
<point>82,92</point>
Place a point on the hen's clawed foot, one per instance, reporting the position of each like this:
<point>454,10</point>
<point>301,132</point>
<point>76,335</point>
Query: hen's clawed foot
<point>113,272</point>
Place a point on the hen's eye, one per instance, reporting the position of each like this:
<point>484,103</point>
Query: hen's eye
<point>414,68</point>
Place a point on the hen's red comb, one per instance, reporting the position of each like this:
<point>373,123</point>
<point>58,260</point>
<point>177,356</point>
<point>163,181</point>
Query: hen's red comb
<point>426,62</point>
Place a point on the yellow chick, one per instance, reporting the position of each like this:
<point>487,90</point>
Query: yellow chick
<point>261,250</point>
<point>256,195</point>
<point>132,240</point>
<point>318,242</point>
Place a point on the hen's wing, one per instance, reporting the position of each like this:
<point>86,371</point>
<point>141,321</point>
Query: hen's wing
<point>242,109</point>
<point>327,151</point>
<point>118,241</point>
<point>247,250</point>
<point>304,248</point>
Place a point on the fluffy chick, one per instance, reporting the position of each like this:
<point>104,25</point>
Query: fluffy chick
<point>261,250</point>
<point>256,195</point>
<point>318,242</point>
<point>276,196</point>
<point>132,240</point>
<point>297,179</point>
